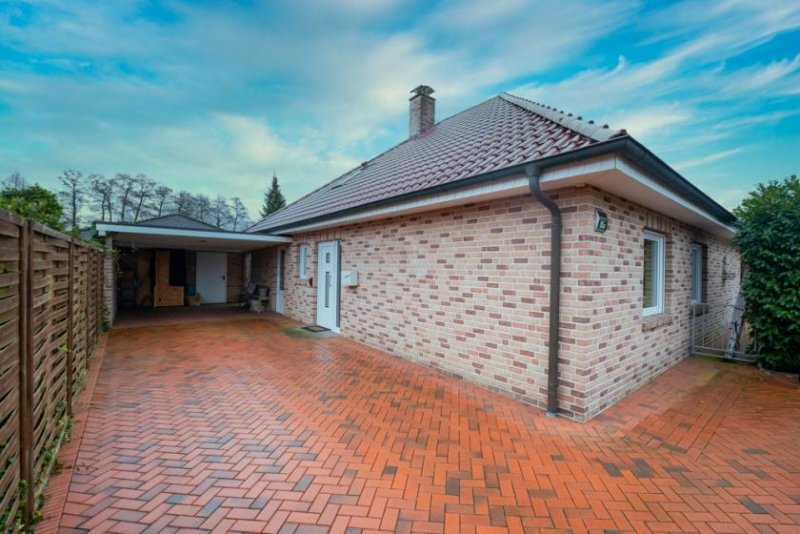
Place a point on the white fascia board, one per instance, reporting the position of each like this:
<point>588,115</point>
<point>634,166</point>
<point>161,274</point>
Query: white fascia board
<point>722,229</point>
<point>610,173</point>
<point>104,229</point>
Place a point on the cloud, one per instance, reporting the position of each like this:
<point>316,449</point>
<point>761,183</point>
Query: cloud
<point>654,119</point>
<point>709,158</point>
<point>215,96</point>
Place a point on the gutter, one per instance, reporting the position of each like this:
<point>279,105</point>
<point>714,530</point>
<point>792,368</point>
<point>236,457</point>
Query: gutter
<point>534,173</point>
<point>627,146</point>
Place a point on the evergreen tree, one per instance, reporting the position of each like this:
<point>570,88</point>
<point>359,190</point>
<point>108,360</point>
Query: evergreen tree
<point>273,199</point>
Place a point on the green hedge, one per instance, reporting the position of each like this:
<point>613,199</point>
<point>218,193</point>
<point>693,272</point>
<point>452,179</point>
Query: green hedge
<point>769,241</point>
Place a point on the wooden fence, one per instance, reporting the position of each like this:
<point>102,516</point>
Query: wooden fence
<point>51,289</point>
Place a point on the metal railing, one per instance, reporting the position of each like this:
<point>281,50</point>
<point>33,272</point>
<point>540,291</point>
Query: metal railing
<point>720,331</point>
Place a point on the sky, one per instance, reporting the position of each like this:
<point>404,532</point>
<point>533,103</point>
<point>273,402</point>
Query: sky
<point>213,97</point>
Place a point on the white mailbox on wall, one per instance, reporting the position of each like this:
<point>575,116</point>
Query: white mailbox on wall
<point>349,278</point>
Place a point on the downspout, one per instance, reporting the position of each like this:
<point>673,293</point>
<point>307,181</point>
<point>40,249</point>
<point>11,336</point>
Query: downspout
<point>533,172</point>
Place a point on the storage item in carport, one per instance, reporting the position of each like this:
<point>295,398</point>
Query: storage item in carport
<point>166,294</point>
<point>259,305</point>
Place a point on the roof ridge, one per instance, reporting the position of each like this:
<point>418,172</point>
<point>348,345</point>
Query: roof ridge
<point>588,129</point>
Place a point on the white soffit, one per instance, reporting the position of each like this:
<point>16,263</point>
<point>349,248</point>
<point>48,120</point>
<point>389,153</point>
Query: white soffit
<point>156,237</point>
<point>628,182</point>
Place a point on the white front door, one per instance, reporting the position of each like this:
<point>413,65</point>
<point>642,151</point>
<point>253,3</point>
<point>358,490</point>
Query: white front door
<point>212,272</point>
<point>280,283</point>
<point>328,285</point>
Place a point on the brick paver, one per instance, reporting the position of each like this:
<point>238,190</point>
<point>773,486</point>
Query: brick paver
<point>235,426</point>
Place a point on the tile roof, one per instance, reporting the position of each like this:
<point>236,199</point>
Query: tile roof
<point>176,220</point>
<point>501,132</point>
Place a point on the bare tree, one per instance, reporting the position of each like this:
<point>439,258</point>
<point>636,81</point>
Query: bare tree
<point>161,199</point>
<point>240,215</point>
<point>184,203</point>
<point>201,208</point>
<point>102,191</point>
<point>221,212</point>
<point>15,181</point>
<point>140,196</point>
<point>72,196</point>
<point>125,188</point>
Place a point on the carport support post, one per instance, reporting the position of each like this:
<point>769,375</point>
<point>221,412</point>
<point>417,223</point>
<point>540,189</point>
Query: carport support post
<point>109,285</point>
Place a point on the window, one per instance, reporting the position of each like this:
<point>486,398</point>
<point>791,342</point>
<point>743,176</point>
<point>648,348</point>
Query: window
<point>302,260</point>
<point>697,273</point>
<point>653,273</point>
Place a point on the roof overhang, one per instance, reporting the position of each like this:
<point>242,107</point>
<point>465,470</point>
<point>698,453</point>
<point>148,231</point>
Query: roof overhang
<point>620,165</point>
<point>612,173</point>
<point>138,236</point>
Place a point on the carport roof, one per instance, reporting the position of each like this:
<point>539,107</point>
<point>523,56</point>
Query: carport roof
<point>149,236</point>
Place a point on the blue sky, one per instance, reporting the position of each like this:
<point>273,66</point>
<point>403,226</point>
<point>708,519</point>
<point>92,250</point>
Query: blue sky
<point>212,97</point>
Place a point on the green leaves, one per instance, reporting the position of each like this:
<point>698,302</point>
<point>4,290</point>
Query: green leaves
<point>34,202</point>
<point>769,241</point>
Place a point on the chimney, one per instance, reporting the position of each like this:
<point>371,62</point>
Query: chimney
<point>422,110</point>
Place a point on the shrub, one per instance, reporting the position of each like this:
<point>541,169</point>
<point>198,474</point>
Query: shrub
<point>34,202</point>
<point>769,241</point>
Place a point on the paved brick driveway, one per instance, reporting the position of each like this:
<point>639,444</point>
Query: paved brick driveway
<point>235,426</point>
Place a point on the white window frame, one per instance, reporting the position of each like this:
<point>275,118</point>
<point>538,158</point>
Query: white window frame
<point>302,261</point>
<point>697,273</point>
<point>660,269</point>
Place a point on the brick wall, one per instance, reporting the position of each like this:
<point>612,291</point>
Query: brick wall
<point>263,270</point>
<point>465,290</point>
<point>624,349</point>
<point>235,277</point>
<point>109,282</point>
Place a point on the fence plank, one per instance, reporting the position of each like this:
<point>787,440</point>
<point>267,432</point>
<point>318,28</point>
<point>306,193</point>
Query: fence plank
<point>50,302</point>
<point>50,269</point>
<point>70,324</point>
<point>10,283</point>
<point>26,370</point>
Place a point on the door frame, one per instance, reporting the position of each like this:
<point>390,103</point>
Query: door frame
<point>336,282</point>
<point>280,281</point>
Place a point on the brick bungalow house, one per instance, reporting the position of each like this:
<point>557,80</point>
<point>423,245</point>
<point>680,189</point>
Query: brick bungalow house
<point>445,250</point>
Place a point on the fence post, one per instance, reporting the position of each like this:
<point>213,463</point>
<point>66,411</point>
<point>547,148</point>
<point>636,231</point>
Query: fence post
<point>70,323</point>
<point>26,368</point>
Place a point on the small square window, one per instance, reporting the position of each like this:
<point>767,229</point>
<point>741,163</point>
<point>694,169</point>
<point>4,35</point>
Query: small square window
<point>302,260</point>
<point>653,271</point>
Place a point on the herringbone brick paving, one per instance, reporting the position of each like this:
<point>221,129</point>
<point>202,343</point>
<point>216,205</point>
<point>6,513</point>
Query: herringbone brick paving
<point>235,426</point>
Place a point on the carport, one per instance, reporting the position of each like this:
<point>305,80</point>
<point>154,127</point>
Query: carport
<point>176,261</point>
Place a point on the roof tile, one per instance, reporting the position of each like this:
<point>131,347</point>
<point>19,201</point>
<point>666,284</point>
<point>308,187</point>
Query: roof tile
<point>498,133</point>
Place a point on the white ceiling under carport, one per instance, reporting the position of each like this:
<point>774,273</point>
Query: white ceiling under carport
<point>141,236</point>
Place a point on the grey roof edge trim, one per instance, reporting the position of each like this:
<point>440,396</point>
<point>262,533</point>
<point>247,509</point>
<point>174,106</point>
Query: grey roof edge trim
<point>624,144</point>
<point>143,221</point>
<point>119,223</point>
<point>589,129</point>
